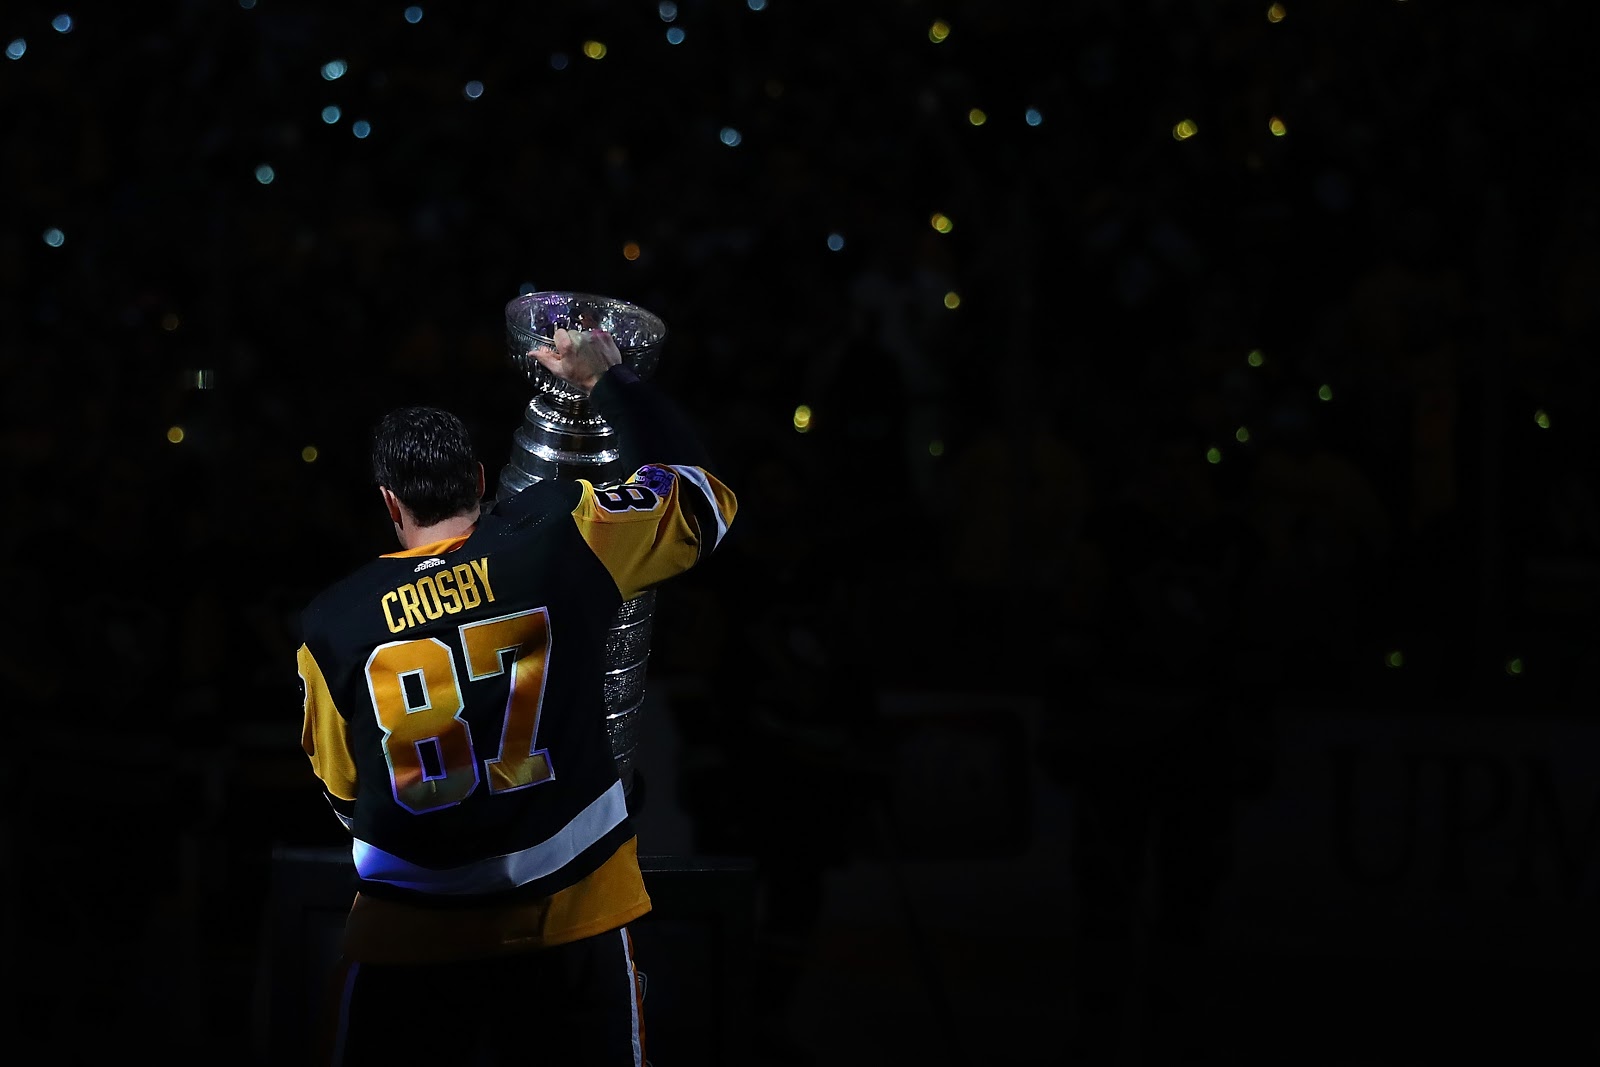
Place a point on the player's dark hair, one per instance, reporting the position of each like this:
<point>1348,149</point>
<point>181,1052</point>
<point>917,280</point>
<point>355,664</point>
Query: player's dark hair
<point>424,456</point>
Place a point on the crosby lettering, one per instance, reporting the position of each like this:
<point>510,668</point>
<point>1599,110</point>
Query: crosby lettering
<point>444,591</point>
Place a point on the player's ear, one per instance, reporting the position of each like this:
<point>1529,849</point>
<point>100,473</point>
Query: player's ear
<point>391,502</point>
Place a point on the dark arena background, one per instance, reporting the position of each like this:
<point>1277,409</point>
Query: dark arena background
<point>1160,623</point>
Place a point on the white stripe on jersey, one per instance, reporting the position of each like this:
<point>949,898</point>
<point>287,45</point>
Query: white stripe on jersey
<point>698,477</point>
<point>499,872</point>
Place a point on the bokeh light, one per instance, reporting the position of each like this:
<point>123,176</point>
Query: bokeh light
<point>1255,358</point>
<point>62,23</point>
<point>936,447</point>
<point>630,251</point>
<point>265,174</point>
<point>835,242</point>
<point>1324,392</point>
<point>1277,127</point>
<point>175,434</point>
<point>334,69</point>
<point>331,113</point>
<point>472,90</point>
<point>977,116</point>
<point>952,300</point>
<point>309,453</point>
<point>730,136</point>
<point>1395,658</point>
<point>1032,116</point>
<point>1185,130</point>
<point>413,14</point>
<point>1541,419</point>
<point>54,237</point>
<point>667,10</point>
<point>938,31</point>
<point>674,35</point>
<point>17,49</point>
<point>1242,435</point>
<point>756,5</point>
<point>802,418</point>
<point>361,128</point>
<point>594,49</point>
<point>1514,666</point>
<point>170,321</point>
<point>1213,454</point>
<point>1276,13</point>
<point>941,222</point>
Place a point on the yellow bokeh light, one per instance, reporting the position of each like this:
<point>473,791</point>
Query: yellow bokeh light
<point>1395,659</point>
<point>170,321</point>
<point>941,222</point>
<point>952,300</point>
<point>802,418</point>
<point>1213,454</point>
<point>1541,419</point>
<point>936,447</point>
<point>309,453</point>
<point>938,31</point>
<point>1242,434</point>
<point>977,116</point>
<point>1255,358</point>
<point>594,49</point>
<point>175,434</point>
<point>1275,13</point>
<point>630,251</point>
<point>1324,392</point>
<point>1277,127</point>
<point>1185,130</point>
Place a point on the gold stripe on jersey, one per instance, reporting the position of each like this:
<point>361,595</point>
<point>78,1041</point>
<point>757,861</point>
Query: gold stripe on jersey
<point>322,734</point>
<point>648,542</point>
<point>391,931</point>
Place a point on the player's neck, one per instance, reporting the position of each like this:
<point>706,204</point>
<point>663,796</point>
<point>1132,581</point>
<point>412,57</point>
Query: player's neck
<point>449,529</point>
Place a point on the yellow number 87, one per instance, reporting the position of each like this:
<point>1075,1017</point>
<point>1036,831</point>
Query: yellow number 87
<point>416,697</point>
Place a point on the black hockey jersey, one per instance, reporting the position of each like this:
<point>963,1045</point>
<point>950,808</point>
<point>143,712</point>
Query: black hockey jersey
<point>454,702</point>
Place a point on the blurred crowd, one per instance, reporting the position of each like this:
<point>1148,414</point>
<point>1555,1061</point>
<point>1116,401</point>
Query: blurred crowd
<point>1074,449</point>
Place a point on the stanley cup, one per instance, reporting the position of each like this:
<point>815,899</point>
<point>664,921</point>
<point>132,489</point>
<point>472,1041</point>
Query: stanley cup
<point>562,436</point>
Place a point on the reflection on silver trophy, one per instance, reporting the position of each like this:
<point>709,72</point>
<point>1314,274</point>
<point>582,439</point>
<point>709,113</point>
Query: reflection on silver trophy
<point>562,436</point>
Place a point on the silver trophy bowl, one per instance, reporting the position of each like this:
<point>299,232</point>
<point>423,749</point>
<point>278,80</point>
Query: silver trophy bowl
<point>562,436</point>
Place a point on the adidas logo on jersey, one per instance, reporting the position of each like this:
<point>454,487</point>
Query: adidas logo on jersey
<point>431,561</point>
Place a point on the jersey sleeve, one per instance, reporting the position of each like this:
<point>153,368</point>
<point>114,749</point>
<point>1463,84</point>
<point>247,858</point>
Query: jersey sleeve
<point>659,523</point>
<point>326,740</point>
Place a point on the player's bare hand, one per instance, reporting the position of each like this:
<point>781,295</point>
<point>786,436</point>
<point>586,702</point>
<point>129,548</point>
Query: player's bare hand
<point>579,357</point>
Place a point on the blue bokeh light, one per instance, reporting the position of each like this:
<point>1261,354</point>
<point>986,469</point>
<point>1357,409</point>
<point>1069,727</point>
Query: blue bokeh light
<point>675,35</point>
<point>558,61</point>
<point>730,136</point>
<point>334,69</point>
<point>62,23</point>
<point>835,242</point>
<point>413,14</point>
<point>54,237</point>
<point>667,10</point>
<point>1032,116</point>
<point>473,89</point>
<point>331,113</point>
<point>265,174</point>
<point>361,128</point>
<point>16,49</point>
<point>756,5</point>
